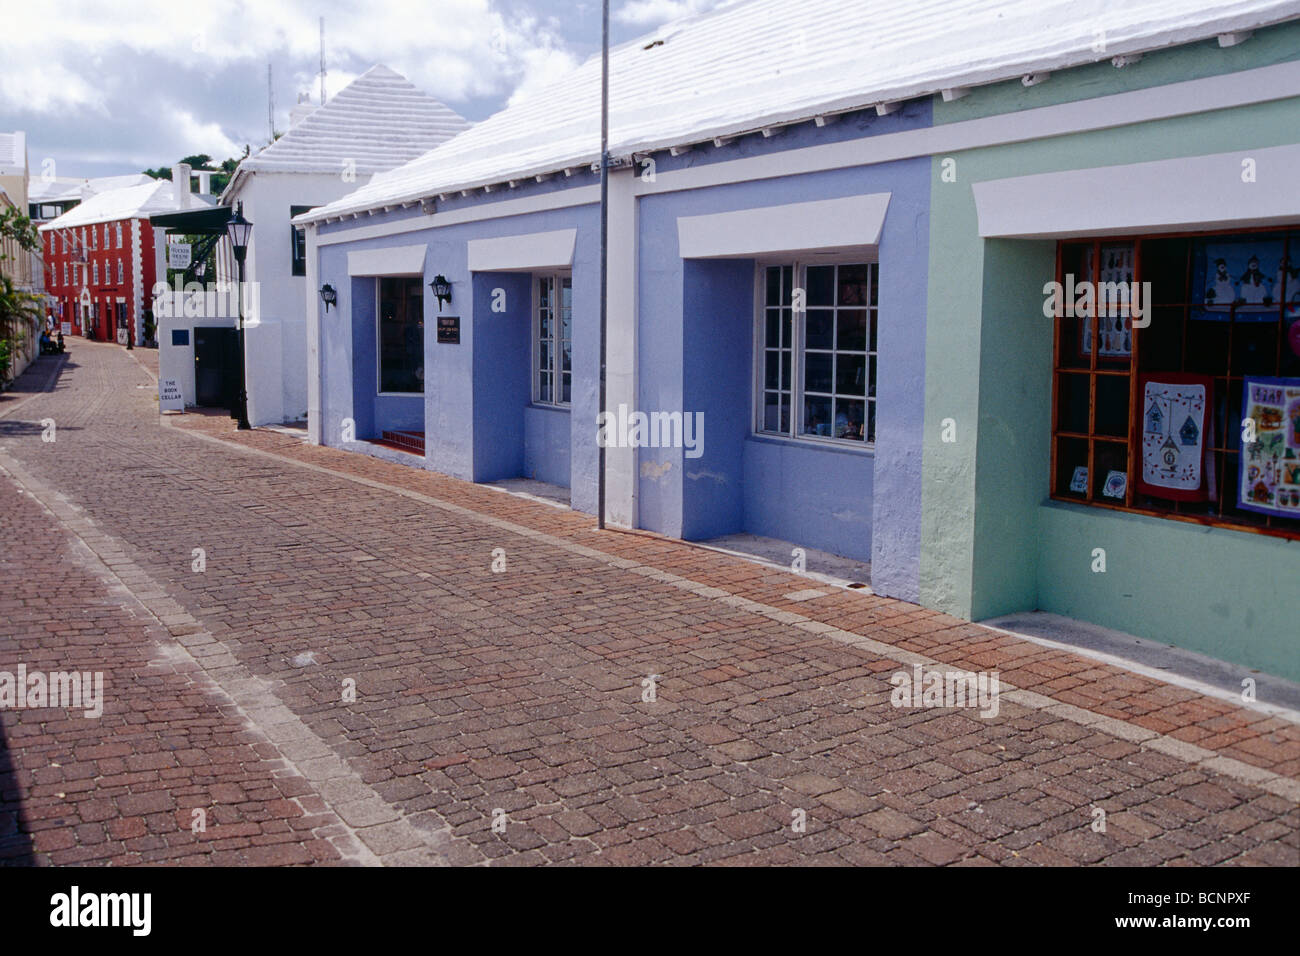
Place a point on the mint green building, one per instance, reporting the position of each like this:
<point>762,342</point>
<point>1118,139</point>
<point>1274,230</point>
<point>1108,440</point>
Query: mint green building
<point>1044,485</point>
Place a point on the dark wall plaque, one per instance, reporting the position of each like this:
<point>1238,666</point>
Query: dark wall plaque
<point>449,329</point>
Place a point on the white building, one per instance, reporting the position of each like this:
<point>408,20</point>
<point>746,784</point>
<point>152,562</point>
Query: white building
<point>377,122</point>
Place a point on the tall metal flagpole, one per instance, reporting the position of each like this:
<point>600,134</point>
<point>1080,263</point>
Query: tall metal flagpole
<point>604,251</point>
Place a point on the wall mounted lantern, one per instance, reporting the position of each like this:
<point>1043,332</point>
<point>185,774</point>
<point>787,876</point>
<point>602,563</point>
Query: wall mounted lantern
<point>328,296</point>
<point>441,289</point>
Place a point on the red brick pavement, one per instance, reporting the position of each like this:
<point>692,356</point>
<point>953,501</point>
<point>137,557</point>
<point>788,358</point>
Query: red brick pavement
<point>517,696</point>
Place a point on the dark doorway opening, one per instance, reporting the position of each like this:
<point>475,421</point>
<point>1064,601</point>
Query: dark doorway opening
<point>216,367</point>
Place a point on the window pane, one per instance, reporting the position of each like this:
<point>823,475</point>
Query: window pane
<point>817,372</point>
<point>1072,467</point>
<point>851,375</point>
<point>1110,462</point>
<point>772,371</point>
<point>772,333</point>
<point>785,369</point>
<point>566,356</point>
<point>544,387</point>
<point>567,379</point>
<point>819,329</point>
<point>1072,403</point>
<point>1112,405</point>
<point>544,293</point>
<point>773,286</point>
<point>852,285</point>
<point>871,421</point>
<point>817,416</point>
<point>849,418</point>
<point>821,285</point>
<point>775,411</point>
<point>852,330</point>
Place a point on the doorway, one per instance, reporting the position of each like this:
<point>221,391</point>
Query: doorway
<point>216,367</point>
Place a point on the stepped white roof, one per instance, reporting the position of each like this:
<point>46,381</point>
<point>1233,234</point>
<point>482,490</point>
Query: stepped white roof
<point>378,121</point>
<point>757,63</point>
<point>133,202</point>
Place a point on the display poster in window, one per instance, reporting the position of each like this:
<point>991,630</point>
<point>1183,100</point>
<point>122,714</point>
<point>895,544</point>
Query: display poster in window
<point>1174,437</point>
<point>1114,325</point>
<point>1246,279</point>
<point>1270,465</point>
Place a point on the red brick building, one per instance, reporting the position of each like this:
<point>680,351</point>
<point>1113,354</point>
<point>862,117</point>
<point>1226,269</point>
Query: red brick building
<point>103,257</point>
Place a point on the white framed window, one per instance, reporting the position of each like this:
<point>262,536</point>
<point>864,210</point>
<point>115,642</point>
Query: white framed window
<point>65,273</point>
<point>120,271</point>
<point>94,269</point>
<point>118,231</point>
<point>553,340</point>
<point>815,343</point>
<point>400,331</point>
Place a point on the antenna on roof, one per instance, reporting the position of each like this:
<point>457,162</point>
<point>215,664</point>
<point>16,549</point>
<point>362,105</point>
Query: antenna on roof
<point>322,61</point>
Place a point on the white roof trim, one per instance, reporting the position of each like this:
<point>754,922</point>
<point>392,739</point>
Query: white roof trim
<point>537,250</point>
<point>1170,195</point>
<point>393,261</point>
<point>853,222</point>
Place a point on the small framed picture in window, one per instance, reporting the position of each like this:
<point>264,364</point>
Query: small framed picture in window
<point>1116,485</point>
<point>1079,483</point>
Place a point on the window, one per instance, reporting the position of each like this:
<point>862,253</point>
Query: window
<point>120,271</point>
<point>817,366</point>
<point>118,230</point>
<point>95,272</point>
<point>401,335</point>
<point>1192,413</point>
<point>65,273</point>
<point>553,341</point>
<point>298,242</point>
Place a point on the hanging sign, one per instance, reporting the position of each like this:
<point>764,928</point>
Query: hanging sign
<point>1270,465</point>
<point>178,255</point>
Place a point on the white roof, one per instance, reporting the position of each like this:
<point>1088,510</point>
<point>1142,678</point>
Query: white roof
<point>754,64</point>
<point>378,121</point>
<point>133,202</point>
<point>64,188</point>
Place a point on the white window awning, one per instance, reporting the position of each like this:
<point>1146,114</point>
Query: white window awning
<point>392,261</point>
<point>853,223</point>
<point>536,250</point>
<point>1243,189</point>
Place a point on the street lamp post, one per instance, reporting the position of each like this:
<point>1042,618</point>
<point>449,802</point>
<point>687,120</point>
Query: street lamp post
<point>239,229</point>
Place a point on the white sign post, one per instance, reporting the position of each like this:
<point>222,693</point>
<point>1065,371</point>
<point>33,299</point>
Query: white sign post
<point>170,397</point>
<point>178,255</point>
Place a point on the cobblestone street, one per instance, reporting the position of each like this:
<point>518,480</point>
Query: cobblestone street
<point>499,716</point>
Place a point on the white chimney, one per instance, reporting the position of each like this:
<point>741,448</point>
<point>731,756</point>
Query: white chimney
<point>302,109</point>
<point>205,182</point>
<point>181,185</point>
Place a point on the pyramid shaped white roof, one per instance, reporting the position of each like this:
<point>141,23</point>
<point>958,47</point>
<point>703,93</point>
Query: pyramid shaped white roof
<point>753,64</point>
<point>378,121</point>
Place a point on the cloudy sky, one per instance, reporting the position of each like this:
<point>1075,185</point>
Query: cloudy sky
<point>115,87</point>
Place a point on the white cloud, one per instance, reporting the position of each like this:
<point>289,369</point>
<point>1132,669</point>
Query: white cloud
<point>195,75</point>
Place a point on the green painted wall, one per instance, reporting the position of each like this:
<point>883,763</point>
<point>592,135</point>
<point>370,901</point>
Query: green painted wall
<point>991,541</point>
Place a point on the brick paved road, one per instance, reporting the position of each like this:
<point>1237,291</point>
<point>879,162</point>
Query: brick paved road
<point>516,697</point>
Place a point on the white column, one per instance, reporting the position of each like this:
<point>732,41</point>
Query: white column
<point>620,344</point>
<point>314,433</point>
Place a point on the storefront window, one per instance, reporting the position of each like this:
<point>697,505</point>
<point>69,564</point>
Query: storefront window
<point>553,341</point>
<point>1177,378</point>
<point>817,364</point>
<point>401,335</point>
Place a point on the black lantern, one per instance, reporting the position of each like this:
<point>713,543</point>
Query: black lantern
<point>441,289</point>
<point>239,229</point>
<point>328,296</point>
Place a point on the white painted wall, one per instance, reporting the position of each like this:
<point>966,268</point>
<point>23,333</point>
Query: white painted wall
<point>277,345</point>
